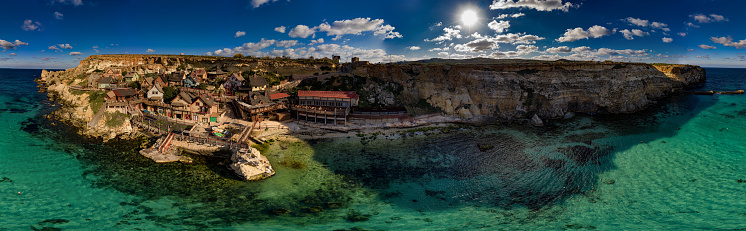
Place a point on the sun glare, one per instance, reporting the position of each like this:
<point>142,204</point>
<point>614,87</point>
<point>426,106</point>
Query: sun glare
<point>469,17</point>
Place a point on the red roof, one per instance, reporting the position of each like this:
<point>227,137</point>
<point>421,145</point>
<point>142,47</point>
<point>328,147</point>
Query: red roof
<point>278,96</point>
<point>330,94</point>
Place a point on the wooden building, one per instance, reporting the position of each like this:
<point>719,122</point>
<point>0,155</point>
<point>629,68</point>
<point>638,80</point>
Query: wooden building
<point>328,107</point>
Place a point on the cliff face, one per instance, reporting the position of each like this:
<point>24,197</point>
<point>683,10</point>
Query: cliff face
<point>474,91</point>
<point>144,64</point>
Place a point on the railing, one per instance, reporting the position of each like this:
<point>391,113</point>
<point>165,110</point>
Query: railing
<point>189,137</point>
<point>327,111</point>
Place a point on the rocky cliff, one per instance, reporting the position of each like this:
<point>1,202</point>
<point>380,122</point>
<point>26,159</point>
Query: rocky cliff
<point>547,89</point>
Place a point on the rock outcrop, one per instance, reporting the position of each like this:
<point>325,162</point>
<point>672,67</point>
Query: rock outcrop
<point>546,89</point>
<point>249,164</point>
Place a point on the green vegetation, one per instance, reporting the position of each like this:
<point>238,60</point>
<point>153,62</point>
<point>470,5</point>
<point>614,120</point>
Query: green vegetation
<point>96,99</point>
<point>169,93</point>
<point>115,119</point>
<point>202,86</point>
<point>135,85</point>
<point>619,66</point>
<point>238,56</point>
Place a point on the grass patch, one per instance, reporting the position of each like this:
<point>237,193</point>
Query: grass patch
<point>115,119</point>
<point>96,99</point>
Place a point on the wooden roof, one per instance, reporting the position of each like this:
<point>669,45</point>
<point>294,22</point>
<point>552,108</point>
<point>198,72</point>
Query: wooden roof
<point>330,94</point>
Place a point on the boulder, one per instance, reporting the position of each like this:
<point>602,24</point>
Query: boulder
<point>536,121</point>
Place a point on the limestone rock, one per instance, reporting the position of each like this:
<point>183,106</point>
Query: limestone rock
<point>249,164</point>
<point>536,121</point>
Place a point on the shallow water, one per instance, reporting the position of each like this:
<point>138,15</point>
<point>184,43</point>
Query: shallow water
<point>673,166</point>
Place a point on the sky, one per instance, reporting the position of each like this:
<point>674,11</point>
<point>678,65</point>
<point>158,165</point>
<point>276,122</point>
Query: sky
<point>56,34</point>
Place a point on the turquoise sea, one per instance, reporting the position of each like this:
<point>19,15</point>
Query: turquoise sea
<point>678,165</point>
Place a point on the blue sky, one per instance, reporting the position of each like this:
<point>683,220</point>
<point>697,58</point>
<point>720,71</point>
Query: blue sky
<point>58,33</point>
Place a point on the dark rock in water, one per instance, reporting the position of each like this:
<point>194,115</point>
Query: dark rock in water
<point>280,211</point>
<point>315,209</point>
<point>555,164</point>
<point>579,226</point>
<point>5,179</point>
<point>355,216</point>
<point>693,180</point>
<point>741,181</point>
<point>609,181</point>
<point>55,221</point>
<point>333,205</point>
<point>485,147</point>
<point>582,154</point>
<point>536,121</point>
<point>358,229</point>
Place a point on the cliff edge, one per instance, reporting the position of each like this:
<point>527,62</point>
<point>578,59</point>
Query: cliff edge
<point>546,89</point>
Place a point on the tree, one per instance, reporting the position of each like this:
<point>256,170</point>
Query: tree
<point>135,85</point>
<point>124,72</point>
<point>169,93</point>
<point>202,86</point>
<point>238,56</point>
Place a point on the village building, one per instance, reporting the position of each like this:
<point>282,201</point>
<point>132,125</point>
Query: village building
<point>233,82</point>
<point>93,80</point>
<point>113,73</point>
<point>328,107</point>
<point>199,74</point>
<point>216,74</point>
<point>176,79</point>
<point>188,106</point>
<point>105,83</point>
<point>146,83</point>
<point>155,93</point>
<point>258,83</point>
<point>132,77</point>
<point>190,82</point>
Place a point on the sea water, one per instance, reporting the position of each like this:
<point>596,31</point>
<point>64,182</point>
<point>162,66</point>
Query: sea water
<point>677,165</point>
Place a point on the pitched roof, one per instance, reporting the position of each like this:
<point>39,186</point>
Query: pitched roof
<point>257,81</point>
<point>330,94</point>
<point>105,80</point>
<point>176,77</point>
<point>278,96</point>
<point>124,92</point>
<point>207,100</point>
<point>149,80</point>
<point>256,98</point>
<point>157,87</point>
<point>239,77</point>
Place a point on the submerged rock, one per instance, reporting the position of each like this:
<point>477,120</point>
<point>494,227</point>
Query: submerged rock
<point>280,211</point>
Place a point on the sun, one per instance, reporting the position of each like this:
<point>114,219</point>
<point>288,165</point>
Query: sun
<point>469,17</point>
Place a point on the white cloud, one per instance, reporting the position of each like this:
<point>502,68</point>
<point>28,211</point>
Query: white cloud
<point>562,49</point>
<point>728,42</point>
<point>478,45</point>
<point>504,16</point>
<point>682,34</point>
<point>499,27</point>
<point>317,41</point>
<point>280,29</point>
<point>357,27</point>
<point>521,38</point>
<point>257,3</point>
<point>596,31</point>
<point>413,48</point>
<point>147,51</point>
<point>287,43</point>
<point>65,46</point>
<point>12,54</point>
<point>76,53</point>
<point>638,22</point>
<point>646,23</point>
<point>240,33</point>
<point>95,47</point>
<point>540,5</point>
<point>707,47</point>
<point>73,2</point>
<point>250,49</point>
<point>630,34</point>
<point>11,45</point>
<point>581,49</point>
<point>58,15</point>
<point>701,18</point>
<point>54,48</point>
<point>30,25</point>
<point>302,31</point>
<point>450,34</point>
<point>667,40</point>
<point>692,25</point>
